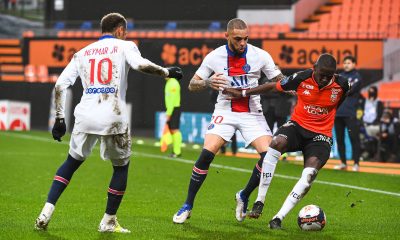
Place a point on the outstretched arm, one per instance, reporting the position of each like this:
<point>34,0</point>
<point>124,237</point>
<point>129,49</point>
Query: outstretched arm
<point>261,89</point>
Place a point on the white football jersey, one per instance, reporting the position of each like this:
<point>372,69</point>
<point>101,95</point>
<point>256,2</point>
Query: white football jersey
<point>243,71</point>
<point>103,68</point>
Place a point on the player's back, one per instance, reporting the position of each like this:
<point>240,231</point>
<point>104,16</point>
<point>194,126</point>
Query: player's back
<point>103,70</point>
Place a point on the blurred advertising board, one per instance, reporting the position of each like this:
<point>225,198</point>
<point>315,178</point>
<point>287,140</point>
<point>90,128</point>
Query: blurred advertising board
<point>15,115</point>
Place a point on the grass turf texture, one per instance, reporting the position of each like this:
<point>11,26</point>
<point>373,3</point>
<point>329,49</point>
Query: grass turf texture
<point>157,188</point>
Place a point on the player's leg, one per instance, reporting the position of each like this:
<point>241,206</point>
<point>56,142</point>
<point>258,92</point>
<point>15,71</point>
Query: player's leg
<point>117,148</point>
<point>285,139</point>
<point>340,127</point>
<point>316,155</point>
<point>261,145</point>
<point>212,144</point>
<point>81,145</point>
<point>173,125</point>
<point>256,133</point>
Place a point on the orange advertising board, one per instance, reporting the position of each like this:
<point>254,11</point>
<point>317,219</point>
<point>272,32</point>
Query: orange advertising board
<point>303,54</point>
<point>55,53</point>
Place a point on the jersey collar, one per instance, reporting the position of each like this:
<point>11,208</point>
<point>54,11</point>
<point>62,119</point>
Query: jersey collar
<point>106,36</point>
<point>233,54</point>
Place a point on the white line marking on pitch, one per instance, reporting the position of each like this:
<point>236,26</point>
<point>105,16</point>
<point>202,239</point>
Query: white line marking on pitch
<point>181,160</point>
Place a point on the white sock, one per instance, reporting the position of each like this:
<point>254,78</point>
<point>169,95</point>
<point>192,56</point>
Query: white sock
<point>268,169</point>
<point>48,209</point>
<point>298,192</point>
<point>107,218</point>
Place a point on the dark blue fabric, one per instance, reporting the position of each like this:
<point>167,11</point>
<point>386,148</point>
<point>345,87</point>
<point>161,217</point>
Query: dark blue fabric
<point>196,180</point>
<point>254,180</point>
<point>349,106</point>
<point>118,182</point>
<point>66,171</point>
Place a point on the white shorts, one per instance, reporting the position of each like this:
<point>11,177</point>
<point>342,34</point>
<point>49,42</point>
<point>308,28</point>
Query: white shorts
<point>250,125</point>
<point>116,148</point>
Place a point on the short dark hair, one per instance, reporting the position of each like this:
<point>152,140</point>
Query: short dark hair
<point>236,23</point>
<point>351,58</point>
<point>326,60</point>
<point>112,21</point>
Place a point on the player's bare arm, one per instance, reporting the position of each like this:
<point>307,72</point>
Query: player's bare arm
<point>216,82</point>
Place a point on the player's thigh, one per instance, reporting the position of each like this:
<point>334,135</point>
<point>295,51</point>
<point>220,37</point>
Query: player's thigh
<point>290,132</point>
<point>219,131</point>
<point>255,130</point>
<point>81,145</point>
<point>213,142</point>
<point>262,143</point>
<point>116,148</point>
<point>316,154</point>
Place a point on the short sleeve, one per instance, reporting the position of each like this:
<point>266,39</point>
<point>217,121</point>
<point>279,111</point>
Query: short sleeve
<point>133,56</point>
<point>205,70</point>
<point>269,68</point>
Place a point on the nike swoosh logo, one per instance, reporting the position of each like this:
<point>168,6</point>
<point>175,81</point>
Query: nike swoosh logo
<point>227,68</point>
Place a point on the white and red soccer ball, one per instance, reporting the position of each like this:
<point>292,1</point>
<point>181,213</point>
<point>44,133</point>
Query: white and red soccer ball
<point>311,218</point>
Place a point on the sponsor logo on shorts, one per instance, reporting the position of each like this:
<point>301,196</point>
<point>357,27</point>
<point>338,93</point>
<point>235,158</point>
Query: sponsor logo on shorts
<point>99,90</point>
<point>323,138</point>
<point>211,126</point>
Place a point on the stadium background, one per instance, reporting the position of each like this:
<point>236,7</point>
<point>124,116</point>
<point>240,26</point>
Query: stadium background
<point>178,33</point>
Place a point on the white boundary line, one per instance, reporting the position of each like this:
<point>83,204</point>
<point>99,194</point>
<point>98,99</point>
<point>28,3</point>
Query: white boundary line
<point>181,160</point>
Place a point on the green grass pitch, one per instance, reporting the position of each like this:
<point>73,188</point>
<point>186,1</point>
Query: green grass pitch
<point>157,187</point>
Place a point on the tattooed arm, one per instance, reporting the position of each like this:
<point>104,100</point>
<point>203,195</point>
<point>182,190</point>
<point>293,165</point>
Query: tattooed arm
<point>216,82</point>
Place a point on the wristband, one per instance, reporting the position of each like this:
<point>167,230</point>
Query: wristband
<point>243,92</point>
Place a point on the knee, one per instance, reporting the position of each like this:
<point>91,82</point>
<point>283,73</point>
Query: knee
<point>279,143</point>
<point>206,157</point>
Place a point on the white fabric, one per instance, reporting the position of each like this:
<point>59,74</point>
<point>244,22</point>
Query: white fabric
<point>116,148</point>
<point>102,109</point>
<point>370,111</point>
<point>299,191</point>
<point>250,125</point>
<point>267,173</point>
<point>258,60</point>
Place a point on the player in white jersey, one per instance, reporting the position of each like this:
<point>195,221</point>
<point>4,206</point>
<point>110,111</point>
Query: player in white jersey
<point>236,64</point>
<point>101,114</point>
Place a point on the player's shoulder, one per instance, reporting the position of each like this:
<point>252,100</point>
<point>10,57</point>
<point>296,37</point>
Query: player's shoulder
<point>303,75</point>
<point>342,82</point>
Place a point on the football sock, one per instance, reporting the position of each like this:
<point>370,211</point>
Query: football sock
<point>254,180</point>
<point>199,174</point>
<point>268,169</point>
<point>177,142</point>
<point>117,188</point>
<point>62,178</point>
<point>298,192</point>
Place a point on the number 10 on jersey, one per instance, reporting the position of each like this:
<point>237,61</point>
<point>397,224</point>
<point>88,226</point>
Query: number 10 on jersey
<point>101,78</point>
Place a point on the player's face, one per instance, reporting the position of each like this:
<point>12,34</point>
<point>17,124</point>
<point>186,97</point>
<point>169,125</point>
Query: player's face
<point>348,65</point>
<point>237,40</point>
<point>323,75</point>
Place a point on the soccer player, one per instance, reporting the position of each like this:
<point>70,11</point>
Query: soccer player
<point>101,114</point>
<point>239,65</point>
<point>320,91</point>
<point>173,112</point>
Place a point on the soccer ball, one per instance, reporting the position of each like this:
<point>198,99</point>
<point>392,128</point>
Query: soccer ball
<point>311,218</point>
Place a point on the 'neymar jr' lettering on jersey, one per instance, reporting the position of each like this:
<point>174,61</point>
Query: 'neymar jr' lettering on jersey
<point>100,51</point>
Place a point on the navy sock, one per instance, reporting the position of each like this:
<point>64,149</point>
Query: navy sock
<point>254,180</point>
<point>117,188</point>
<point>199,174</point>
<point>62,178</point>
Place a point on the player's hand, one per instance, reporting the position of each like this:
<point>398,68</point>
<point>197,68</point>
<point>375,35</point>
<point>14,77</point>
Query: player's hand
<point>59,129</point>
<point>232,93</point>
<point>218,82</point>
<point>175,72</point>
